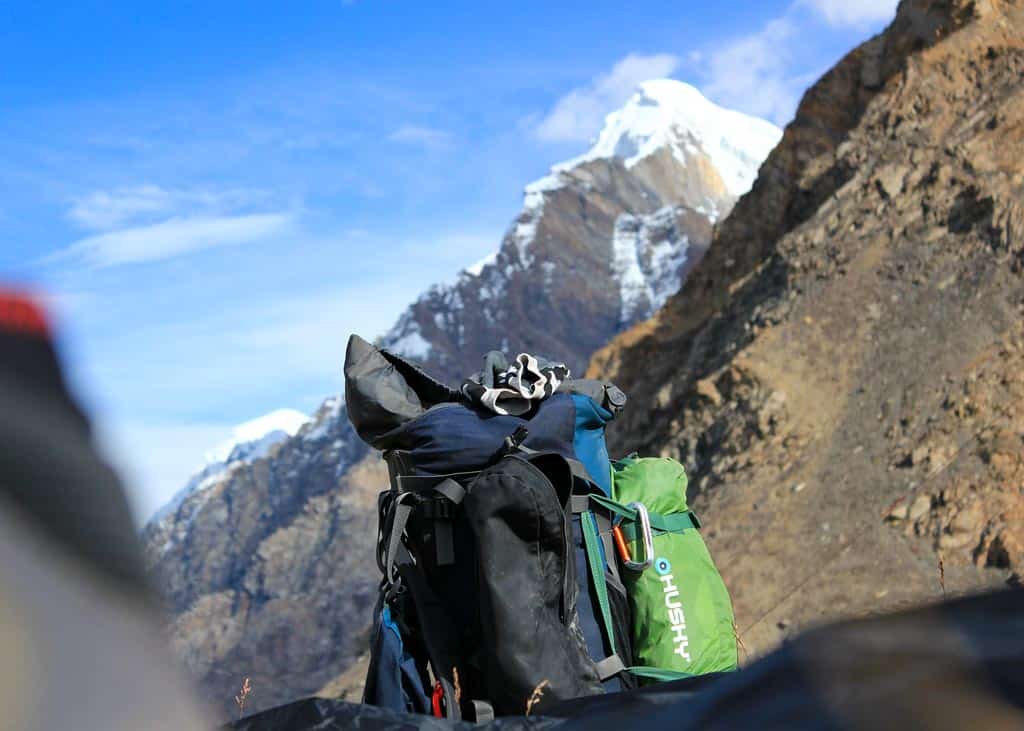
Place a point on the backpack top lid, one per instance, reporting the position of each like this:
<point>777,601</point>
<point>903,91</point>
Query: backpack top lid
<point>383,391</point>
<point>395,405</point>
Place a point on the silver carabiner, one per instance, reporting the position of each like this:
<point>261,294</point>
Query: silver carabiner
<point>647,539</point>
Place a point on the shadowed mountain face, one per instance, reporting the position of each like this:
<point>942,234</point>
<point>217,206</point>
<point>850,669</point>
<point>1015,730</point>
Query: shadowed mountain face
<point>842,374</point>
<point>266,560</point>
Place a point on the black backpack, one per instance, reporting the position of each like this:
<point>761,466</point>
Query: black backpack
<point>487,599</point>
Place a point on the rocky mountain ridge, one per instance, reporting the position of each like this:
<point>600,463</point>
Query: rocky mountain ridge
<point>841,375</point>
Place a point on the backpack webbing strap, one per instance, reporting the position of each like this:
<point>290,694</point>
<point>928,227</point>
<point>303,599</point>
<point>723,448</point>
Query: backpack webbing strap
<point>451,490</point>
<point>659,675</point>
<point>436,629</point>
<point>612,664</point>
<point>444,542</point>
<point>404,505</point>
<point>672,523</point>
<point>403,508</point>
<point>484,711</point>
<point>580,503</point>
<point>580,471</point>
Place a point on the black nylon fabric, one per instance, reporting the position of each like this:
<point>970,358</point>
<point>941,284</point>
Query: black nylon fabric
<point>455,438</point>
<point>396,406</point>
<point>384,391</point>
<point>527,584</point>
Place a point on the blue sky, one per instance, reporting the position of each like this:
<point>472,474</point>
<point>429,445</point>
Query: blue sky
<point>212,196</point>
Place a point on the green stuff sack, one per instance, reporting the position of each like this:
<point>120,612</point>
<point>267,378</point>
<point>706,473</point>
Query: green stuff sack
<point>682,614</point>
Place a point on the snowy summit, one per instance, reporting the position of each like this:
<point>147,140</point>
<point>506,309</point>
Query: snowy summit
<point>666,113</point>
<point>258,435</point>
<point>672,156</point>
<point>249,441</point>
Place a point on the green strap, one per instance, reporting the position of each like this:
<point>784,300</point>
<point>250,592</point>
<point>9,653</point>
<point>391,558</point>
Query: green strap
<point>659,675</point>
<point>672,523</point>
<point>592,546</point>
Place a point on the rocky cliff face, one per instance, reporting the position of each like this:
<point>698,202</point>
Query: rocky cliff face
<point>842,373</point>
<point>266,561</point>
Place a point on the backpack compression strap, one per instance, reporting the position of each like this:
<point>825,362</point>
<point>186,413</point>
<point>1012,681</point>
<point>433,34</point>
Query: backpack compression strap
<point>611,665</point>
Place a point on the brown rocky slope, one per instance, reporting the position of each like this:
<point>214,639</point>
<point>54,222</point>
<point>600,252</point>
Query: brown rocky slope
<point>843,373</point>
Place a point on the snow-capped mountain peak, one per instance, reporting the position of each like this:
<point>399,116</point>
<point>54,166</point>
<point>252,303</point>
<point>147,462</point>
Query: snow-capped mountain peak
<point>668,113</point>
<point>261,433</point>
<point>625,222</point>
<point>249,441</point>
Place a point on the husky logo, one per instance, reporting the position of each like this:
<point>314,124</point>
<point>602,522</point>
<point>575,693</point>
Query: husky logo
<point>675,608</point>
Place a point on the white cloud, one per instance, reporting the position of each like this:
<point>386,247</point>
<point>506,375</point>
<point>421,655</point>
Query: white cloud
<point>578,115</point>
<point>855,13</point>
<point>753,73</point>
<point>412,134</point>
<point>171,238</point>
<point>103,210</point>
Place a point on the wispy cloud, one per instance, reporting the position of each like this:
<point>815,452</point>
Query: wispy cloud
<point>754,73</point>
<point>171,238</point>
<point>412,134</point>
<point>109,209</point>
<point>578,115</point>
<point>856,13</point>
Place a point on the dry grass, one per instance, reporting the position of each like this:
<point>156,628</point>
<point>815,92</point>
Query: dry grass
<point>739,642</point>
<point>243,695</point>
<point>536,695</point>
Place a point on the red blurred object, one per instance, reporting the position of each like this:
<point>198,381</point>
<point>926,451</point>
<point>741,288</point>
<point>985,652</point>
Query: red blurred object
<point>435,701</point>
<point>20,314</point>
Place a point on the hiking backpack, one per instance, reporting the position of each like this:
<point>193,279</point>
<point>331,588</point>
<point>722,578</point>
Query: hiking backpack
<point>501,586</point>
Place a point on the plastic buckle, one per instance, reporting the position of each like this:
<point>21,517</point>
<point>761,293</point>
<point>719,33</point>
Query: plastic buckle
<point>439,508</point>
<point>647,539</point>
<point>516,438</point>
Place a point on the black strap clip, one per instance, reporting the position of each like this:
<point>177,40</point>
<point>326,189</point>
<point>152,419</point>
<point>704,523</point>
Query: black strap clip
<point>515,440</point>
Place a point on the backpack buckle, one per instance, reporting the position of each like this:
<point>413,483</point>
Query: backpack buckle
<point>646,539</point>
<point>436,508</point>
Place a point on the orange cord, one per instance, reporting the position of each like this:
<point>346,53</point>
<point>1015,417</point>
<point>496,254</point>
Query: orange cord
<point>620,543</point>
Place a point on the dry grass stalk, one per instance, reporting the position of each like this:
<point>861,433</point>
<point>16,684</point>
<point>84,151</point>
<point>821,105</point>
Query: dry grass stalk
<point>536,695</point>
<point>739,641</point>
<point>458,686</point>
<point>243,695</point>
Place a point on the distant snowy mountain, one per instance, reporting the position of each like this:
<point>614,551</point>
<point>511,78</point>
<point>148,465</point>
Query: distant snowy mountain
<point>668,114</point>
<point>253,438</point>
<point>249,441</point>
<point>602,241</point>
